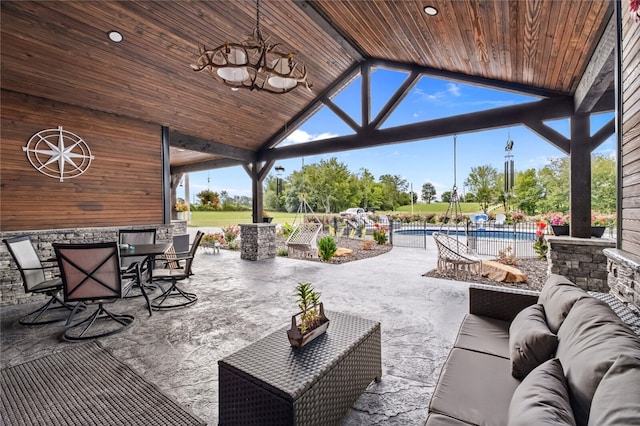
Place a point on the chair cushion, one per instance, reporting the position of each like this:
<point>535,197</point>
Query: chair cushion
<point>558,296</point>
<point>617,398</point>
<point>474,388</point>
<point>436,419</point>
<point>542,398</point>
<point>590,340</point>
<point>483,334</point>
<point>530,341</point>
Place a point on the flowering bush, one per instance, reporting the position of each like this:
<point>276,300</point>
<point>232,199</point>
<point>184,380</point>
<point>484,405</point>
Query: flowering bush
<point>540,246</point>
<point>209,240</point>
<point>556,218</point>
<point>230,232</point>
<point>516,217</point>
<point>181,207</point>
<point>380,233</point>
<point>507,257</point>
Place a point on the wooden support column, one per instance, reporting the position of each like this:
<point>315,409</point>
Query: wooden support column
<point>258,171</point>
<point>580,176</point>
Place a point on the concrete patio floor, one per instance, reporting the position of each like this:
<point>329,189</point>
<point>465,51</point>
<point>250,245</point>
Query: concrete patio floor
<point>241,301</point>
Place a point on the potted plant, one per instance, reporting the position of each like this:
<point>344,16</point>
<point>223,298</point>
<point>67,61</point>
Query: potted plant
<point>181,208</point>
<point>266,218</point>
<point>311,321</point>
<point>559,223</point>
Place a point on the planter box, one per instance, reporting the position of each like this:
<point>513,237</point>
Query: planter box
<point>596,231</point>
<point>560,230</point>
<point>298,340</point>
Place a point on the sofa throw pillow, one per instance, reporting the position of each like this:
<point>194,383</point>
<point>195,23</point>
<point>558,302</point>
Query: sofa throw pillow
<point>542,398</point>
<point>617,398</point>
<point>530,341</point>
<point>558,297</point>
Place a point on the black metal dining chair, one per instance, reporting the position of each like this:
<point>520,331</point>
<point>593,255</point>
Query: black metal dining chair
<point>175,297</point>
<point>91,276</point>
<point>37,278</point>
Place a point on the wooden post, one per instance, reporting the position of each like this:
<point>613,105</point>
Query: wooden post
<point>580,177</point>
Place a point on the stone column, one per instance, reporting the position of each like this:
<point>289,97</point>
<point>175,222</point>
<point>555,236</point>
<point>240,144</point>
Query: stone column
<point>624,276</point>
<point>581,260</point>
<point>258,241</point>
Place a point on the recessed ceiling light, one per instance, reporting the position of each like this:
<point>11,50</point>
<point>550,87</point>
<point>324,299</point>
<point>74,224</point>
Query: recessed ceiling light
<point>115,36</point>
<point>430,10</point>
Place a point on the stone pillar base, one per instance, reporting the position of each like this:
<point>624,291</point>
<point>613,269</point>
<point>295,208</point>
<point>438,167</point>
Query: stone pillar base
<point>624,276</point>
<point>581,260</point>
<point>258,241</point>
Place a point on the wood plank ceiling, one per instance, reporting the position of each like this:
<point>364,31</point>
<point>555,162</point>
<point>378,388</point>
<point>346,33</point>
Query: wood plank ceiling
<point>59,50</point>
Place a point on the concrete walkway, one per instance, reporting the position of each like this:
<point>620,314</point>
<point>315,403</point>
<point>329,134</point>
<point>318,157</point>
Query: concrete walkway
<point>241,301</point>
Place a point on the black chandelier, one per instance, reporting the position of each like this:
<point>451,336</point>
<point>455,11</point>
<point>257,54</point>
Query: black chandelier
<point>253,64</point>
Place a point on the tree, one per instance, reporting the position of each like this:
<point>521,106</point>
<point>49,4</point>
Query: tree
<point>484,182</point>
<point>554,178</point>
<point>603,184</point>
<point>428,192</point>
<point>528,191</point>
<point>446,196</point>
<point>393,186</point>
<point>366,183</point>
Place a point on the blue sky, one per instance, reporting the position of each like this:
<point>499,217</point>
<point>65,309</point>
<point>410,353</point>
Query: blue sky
<point>420,161</point>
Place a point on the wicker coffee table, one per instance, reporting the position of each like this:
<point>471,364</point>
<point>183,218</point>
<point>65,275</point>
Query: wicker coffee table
<point>271,383</point>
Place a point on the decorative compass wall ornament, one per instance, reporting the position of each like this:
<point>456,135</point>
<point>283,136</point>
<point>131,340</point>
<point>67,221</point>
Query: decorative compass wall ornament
<point>58,153</point>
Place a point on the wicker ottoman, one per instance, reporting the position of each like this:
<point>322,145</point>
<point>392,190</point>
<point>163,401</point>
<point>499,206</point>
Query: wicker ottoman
<point>271,383</point>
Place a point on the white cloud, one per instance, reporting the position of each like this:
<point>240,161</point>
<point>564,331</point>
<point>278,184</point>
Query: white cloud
<point>300,136</point>
<point>453,89</point>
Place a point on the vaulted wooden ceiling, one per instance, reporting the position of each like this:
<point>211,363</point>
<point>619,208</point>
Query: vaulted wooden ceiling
<point>60,50</point>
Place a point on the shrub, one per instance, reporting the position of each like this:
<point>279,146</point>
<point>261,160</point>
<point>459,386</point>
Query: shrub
<point>233,245</point>
<point>283,251</point>
<point>230,233</point>
<point>327,248</point>
<point>507,257</point>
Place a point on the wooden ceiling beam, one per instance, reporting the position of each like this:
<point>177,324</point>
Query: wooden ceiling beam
<point>220,163</point>
<point>396,99</point>
<point>191,143</point>
<point>546,109</point>
<point>520,89</point>
<point>552,136</point>
<point>347,77</point>
<point>598,77</point>
<point>347,44</point>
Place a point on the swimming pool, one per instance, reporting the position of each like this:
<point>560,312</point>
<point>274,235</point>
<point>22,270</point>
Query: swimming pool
<point>476,233</point>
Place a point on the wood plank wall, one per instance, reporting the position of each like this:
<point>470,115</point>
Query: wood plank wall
<point>123,186</point>
<point>630,132</point>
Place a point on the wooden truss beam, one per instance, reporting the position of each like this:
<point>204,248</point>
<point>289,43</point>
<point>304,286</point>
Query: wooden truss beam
<point>546,109</point>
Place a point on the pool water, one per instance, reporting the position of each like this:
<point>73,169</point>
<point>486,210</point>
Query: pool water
<point>476,233</point>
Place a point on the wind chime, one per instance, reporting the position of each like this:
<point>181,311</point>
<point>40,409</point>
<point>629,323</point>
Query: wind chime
<point>509,172</point>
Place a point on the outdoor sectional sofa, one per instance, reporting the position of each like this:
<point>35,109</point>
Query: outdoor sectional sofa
<point>574,361</point>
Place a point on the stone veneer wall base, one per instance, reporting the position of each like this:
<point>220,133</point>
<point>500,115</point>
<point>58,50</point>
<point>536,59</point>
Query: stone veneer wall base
<point>11,288</point>
<point>581,260</point>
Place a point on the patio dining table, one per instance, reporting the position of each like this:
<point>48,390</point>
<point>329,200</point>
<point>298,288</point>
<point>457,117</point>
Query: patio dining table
<point>148,251</point>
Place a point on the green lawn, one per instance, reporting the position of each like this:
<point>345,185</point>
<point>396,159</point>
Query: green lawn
<point>219,219</point>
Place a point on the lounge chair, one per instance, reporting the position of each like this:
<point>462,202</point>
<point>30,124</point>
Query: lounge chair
<point>500,219</point>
